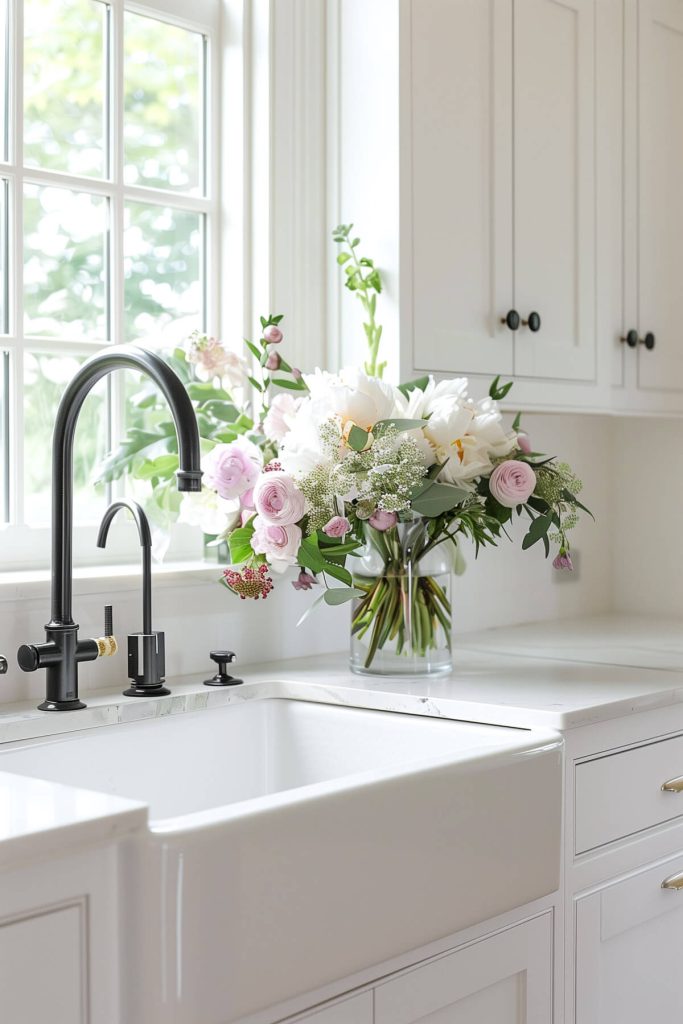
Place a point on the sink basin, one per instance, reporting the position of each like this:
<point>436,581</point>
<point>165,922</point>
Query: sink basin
<point>293,843</point>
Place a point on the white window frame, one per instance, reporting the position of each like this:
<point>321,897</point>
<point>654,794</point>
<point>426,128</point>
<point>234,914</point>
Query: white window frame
<point>23,546</point>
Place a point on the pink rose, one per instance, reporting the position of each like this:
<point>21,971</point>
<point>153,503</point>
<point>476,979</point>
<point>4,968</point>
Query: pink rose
<point>280,417</point>
<point>280,544</point>
<point>273,335</point>
<point>512,483</point>
<point>523,443</point>
<point>232,469</point>
<point>273,361</point>
<point>338,526</point>
<point>277,499</point>
<point>382,520</point>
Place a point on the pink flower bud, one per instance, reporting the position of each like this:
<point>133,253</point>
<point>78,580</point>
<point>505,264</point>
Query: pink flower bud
<point>338,526</point>
<point>523,443</point>
<point>563,561</point>
<point>272,334</point>
<point>382,520</point>
<point>304,581</point>
<point>296,373</point>
<point>273,361</point>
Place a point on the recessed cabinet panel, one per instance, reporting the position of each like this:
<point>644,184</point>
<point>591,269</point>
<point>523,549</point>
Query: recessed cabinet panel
<point>42,968</point>
<point>457,183</point>
<point>350,1011</point>
<point>504,979</point>
<point>660,207</point>
<point>554,187</point>
<point>628,951</point>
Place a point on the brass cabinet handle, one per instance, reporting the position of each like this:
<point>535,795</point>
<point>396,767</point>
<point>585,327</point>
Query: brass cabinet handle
<point>673,785</point>
<point>674,882</point>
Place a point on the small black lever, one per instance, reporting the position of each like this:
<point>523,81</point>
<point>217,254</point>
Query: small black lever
<point>3,665</point>
<point>222,659</point>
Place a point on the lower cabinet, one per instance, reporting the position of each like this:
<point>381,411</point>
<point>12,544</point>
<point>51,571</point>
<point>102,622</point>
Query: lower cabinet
<point>629,936</point>
<point>503,979</point>
<point>43,970</point>
<point>357,1010</point>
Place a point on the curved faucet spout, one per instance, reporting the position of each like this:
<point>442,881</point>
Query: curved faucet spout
<point>189,475</point>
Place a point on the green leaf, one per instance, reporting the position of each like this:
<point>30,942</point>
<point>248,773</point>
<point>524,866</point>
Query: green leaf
<point>203,391</point>
<point>568,496</point>
<point>498,391</point>
<point>252,348</point>
<point>516,422</point>
<point>398,424</point>
<point>413,385</point>
<point>537,531</point>
<point>340,595</point>
<point>164,467</point>
<point>309,555</point>
<point>291,385</point>
<point>240,544</point>
<point>358,438</point>
<point>338,572</point>
<point>432,499</point>
<point>343,257</point>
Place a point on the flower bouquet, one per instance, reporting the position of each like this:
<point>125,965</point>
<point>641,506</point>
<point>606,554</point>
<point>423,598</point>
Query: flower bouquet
<point>366,490</point>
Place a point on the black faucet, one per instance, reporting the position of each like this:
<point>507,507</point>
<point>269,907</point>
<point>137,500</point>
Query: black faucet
<point>62,651</point>
<point>146,650</point>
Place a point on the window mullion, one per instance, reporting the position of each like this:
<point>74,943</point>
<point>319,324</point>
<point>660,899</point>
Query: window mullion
<point>16,221</point>
<point>116,219</point>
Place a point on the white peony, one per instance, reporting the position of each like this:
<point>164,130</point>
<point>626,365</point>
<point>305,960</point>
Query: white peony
<point>302,448</point>
<point>211,513</point>
<point>352,396</point>
<point>280,417</point>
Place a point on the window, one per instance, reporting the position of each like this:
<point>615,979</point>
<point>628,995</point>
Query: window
<point>108,217</point>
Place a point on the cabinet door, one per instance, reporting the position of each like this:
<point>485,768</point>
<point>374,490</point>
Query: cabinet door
<point>43,976</point>
<point>357,1010</point>
<point>456,183</point>
<point>660,196</point>
<point>554,175</point>
<point>504,979</point>
<point>628,950</point>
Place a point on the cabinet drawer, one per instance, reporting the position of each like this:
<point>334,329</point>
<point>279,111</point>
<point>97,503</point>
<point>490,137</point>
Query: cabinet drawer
<point>620,794</point>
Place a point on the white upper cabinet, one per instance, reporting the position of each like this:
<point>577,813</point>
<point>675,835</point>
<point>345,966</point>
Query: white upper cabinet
<point>498,186</point>
<point>554,187</point>
<point>659,168</point>
<point>457,180</point>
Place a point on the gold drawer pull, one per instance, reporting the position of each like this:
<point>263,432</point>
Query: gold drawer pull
<point>674,882</point>
<point>673,785</point>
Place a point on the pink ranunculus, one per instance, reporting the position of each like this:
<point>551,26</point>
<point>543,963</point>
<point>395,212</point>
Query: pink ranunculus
<point>277,499</point>
<point>512,483</point>
<point>273,335</point>
<point>563,561</point>
<point>523,442</point>
<point>232,469</point>
<point>280,544</point>
<point>382,520</point>
<point>273,361</point>
<point>338,526</point>
<point>280,416</point>
<point>247,499</point>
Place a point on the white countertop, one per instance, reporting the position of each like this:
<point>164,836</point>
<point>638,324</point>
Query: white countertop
<point>548,675</point>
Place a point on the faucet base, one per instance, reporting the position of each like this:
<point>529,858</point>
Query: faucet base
<point>62,705</point>
<point>142,690</point>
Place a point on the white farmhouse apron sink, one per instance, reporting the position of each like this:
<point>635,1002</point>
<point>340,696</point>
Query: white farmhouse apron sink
<point>293,843</point>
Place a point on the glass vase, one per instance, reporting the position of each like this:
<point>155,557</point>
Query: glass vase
<point>401,625</point>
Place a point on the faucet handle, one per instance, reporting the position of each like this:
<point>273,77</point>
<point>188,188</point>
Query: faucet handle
<point>107,645</point>
<point>222,678</point>
<point>3,665</point>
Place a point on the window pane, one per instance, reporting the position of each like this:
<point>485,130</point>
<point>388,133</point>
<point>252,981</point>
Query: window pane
<point>4,436</point>
<point>45,377</point>
<point>64,263</point>
<point>4,257</point>
<point>163,75</point>
<point>65,85</point>
<point>4,79</point>
<point>163,292</point>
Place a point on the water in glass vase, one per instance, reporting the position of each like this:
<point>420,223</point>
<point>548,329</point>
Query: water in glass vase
<point>401,625</point>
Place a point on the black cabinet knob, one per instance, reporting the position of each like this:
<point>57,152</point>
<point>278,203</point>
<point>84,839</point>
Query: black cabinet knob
<point>222,678</point>
<point>648,341</point>
<point>511,319</point>
<point>533,323</point>
<point>3,665</point>
<point>631,338</point>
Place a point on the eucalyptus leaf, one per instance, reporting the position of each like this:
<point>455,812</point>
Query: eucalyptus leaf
<point>420,383</point>
<point>358,438</point>
<point>398,424</point>
<point>433,499</point>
